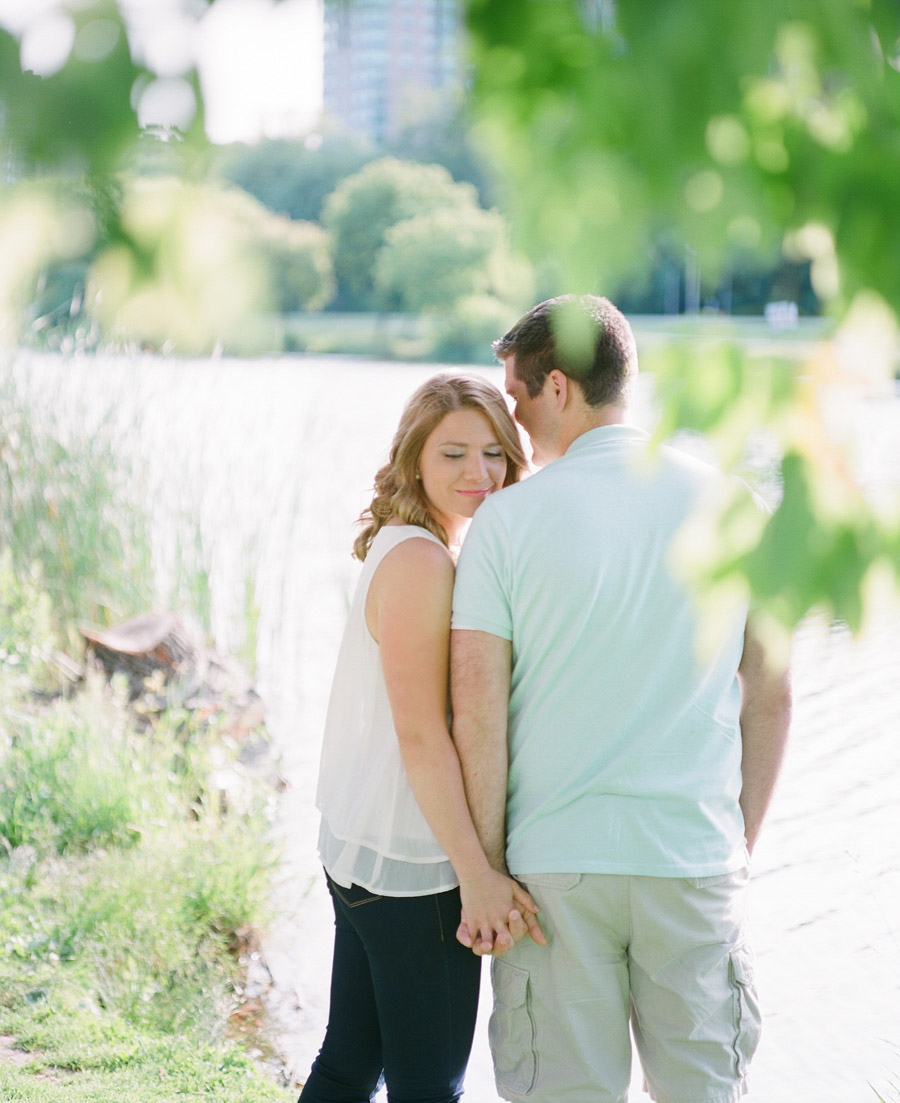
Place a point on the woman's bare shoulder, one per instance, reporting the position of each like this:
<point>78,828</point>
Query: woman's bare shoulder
<point>418,555</point>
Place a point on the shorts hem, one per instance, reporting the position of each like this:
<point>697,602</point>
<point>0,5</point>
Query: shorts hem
<point>732,1096</point>
<point>511,1095</point>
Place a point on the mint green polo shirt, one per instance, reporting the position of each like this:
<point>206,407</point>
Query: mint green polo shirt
<point>624,746</point>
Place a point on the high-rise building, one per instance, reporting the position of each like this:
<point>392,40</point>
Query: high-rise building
<point>389,63</point>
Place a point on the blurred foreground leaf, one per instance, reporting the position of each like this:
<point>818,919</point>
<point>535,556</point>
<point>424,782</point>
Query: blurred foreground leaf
<point>732,131</point>
<point>725,132</point>
<point>80,116</point>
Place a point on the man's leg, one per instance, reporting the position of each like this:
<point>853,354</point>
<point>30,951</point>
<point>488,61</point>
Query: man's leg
<point>559,1031</point>
<point>696,1017</point>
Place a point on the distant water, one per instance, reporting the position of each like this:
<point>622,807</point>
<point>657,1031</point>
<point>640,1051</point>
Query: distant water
<point>273,459</point>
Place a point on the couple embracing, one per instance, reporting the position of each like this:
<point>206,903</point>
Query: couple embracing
<point>586,811</point>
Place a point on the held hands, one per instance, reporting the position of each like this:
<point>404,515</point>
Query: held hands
<point>496,913</point>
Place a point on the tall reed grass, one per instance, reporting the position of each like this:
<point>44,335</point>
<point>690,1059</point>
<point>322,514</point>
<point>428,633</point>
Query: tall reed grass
<point>127,885</point>
<point>65,503</point>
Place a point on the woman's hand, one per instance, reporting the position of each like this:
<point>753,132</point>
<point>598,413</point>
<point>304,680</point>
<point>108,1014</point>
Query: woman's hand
<point>496,913</point>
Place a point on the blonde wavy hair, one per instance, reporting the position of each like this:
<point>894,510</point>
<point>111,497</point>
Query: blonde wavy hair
<point>398,492</point>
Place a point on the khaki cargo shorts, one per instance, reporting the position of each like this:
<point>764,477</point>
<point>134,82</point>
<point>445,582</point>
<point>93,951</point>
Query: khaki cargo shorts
<point>667,955</point>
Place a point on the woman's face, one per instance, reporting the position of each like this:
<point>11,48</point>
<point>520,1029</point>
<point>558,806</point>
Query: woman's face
<point>461,463</point>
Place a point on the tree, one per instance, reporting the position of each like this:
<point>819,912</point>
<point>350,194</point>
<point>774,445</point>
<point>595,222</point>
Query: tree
<point>181,289</point>
<point>429,261</point>
<point>82,114</point>
<point>173,284</point>
<point>292,178</point>
<point>366,205</point>
<point>754,127</point>
<point>297,256</point>
<point>730,125</point>
<point>181,265</point>
<point>446,138</point>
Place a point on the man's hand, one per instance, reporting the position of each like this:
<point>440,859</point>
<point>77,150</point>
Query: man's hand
<point>520,920</point>
<point>494,905</point>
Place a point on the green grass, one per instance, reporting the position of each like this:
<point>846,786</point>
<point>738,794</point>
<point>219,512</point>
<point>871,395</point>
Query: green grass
<point>384,336</point>
<point>28,632</point>
<point>64,790</point>
<point>121,919</point>
<point>127,890</point>
<point>145,934</point>
<point>890,1087</point>
<point>72,1055</point>
<point>737,326</point>
<point>412,337</point>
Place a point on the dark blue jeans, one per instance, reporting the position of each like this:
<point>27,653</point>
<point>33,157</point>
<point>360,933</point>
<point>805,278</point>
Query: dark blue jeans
<point>403,998</point>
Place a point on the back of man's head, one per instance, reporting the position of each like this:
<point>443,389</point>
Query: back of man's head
<point>585,337</point>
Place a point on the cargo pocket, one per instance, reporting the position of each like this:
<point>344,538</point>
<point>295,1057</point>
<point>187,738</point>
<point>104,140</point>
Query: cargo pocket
<point>747,1017</point>
<point>511,1031</point>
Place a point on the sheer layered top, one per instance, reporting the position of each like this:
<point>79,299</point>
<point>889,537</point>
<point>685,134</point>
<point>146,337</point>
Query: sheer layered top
<point>372,831</point>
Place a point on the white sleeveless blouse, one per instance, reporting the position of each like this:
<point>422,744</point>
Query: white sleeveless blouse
<point>372,832</point>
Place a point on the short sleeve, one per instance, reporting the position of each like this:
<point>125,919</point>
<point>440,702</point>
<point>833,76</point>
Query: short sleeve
<point>481,597</point>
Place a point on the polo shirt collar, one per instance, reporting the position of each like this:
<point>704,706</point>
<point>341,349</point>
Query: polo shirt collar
<point>606,434</point>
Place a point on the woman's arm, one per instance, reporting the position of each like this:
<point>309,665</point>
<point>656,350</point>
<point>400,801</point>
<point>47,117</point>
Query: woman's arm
<point>408,613</point>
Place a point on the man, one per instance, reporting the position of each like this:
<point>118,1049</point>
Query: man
<point>620,775</point>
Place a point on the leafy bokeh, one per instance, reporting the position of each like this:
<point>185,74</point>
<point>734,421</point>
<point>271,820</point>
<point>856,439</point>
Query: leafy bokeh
<point>724,125</point>
<point>729,131</point>
<point>729,134</point>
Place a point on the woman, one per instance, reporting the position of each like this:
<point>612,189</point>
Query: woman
<point>396,838</point>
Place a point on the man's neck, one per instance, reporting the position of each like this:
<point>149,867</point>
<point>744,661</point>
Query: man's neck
<point>588,418</point>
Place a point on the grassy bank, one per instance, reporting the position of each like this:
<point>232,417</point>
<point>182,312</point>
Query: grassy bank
<point>463,334</point>
<point>131,885</point>
<point>129,890</point>
<point>448,339</point>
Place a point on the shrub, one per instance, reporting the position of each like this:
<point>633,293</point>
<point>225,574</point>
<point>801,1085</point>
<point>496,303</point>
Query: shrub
<point>123,869</point>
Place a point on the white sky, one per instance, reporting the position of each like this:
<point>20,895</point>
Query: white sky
<point>260,61</point>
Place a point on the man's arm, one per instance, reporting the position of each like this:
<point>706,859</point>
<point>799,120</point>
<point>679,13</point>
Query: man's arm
<point>765,720</point>
<point>480,666</point>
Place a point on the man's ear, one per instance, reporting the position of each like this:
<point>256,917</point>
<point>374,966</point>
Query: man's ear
<point>559,383</point>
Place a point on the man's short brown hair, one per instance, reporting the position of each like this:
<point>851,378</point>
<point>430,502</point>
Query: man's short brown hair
<point>603,373</point>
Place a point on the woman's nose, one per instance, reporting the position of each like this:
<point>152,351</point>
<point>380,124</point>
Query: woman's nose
<point>475,467</point>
